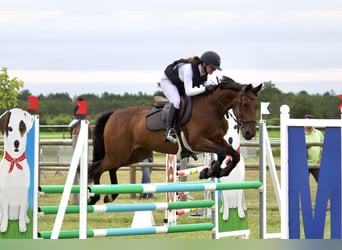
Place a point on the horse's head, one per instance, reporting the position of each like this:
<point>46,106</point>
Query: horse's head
<point>245,109</point>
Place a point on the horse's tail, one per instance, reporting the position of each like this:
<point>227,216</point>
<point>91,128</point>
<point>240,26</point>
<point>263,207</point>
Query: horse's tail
<point>98,146</point>
<point>98,140</point>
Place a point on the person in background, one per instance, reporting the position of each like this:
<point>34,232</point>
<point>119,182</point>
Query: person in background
<point>146,178</point>
<point>77,117</point>
<point>186,77</point>
<point>314,153</point>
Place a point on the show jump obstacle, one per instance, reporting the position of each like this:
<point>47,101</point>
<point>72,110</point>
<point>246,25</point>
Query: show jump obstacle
<point>297,212</point>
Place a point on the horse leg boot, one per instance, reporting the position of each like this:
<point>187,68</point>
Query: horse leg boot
<point>170,121</point>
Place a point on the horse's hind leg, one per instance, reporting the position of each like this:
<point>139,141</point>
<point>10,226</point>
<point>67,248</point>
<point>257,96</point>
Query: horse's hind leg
<point>95,175</point>
<point>113,180</point>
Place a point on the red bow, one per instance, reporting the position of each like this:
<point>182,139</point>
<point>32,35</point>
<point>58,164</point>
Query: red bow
<point>15,161</point>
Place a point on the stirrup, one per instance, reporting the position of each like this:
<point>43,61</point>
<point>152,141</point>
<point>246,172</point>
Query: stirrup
<point>170,136</point>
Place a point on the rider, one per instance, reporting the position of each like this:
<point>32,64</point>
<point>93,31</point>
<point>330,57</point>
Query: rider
<point>186,77</point>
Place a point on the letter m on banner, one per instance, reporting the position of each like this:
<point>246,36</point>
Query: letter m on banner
<point>329,186</point>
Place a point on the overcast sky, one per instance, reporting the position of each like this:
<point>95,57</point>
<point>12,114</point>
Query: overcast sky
<point>123,46</point>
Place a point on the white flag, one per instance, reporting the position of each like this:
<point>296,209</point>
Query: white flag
<point>263,108</point>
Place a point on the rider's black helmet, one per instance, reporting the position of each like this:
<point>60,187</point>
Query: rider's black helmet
<point>212,58</point>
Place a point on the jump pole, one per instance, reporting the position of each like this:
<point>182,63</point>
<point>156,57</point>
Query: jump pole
<point>175,187</point>
<point>129,207</point>
<point>131,231</point>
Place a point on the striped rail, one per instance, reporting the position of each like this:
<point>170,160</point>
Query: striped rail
<point>190,171</point>
<point>131,231</point>
<point>172,187</point>
<point>130,207</point>
<point>156,188</point>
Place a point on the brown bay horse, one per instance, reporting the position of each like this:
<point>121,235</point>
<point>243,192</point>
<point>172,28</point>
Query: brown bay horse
<point>122,138</point>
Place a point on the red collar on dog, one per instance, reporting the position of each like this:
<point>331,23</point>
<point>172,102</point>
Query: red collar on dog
<point>15,161</point>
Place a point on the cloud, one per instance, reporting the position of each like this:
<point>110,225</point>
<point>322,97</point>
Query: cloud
<point>286,37</point>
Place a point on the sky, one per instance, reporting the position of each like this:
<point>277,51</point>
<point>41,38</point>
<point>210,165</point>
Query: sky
<point>119,47</point>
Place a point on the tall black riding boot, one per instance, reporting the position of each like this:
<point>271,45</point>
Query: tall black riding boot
<point>170,134</point>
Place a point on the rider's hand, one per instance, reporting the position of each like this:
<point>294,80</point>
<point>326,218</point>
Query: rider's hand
<point>210,88</point>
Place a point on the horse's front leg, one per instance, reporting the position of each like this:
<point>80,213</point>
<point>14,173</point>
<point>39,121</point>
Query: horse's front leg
<point>221,151</point>
<point>208,146</point>
<point>113,180</point>
<point>231,164</point>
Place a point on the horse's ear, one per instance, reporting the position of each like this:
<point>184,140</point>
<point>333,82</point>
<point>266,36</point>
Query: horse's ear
<point>257,89</point>
<point>248,87</point>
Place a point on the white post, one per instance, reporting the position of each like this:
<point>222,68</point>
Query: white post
<point>69,182</point>
<point>36,177</point>
<point>84,181</point>
<point>284,118</point>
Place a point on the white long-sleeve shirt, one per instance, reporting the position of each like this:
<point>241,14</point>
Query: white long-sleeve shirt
<point>185,74</point>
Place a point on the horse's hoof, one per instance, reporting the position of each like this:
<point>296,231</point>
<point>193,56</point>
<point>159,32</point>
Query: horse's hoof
<point>93,199</point>
<point>204,174</point>
<point>109,198</point>
<point>228,169</point>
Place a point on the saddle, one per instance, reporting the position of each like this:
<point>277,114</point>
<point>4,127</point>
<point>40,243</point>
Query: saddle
<point>156,119</point>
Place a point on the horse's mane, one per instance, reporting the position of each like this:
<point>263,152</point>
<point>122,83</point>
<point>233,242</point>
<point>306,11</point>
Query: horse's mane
<point>228,83</point>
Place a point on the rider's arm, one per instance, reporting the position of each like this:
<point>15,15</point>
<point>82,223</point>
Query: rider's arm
<point>185,74</point>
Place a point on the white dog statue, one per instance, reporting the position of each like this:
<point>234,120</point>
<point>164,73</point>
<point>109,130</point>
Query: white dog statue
<point>233,198</point>
<point>14,168</point>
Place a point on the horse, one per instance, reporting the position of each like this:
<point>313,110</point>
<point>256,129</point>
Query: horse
<point>121,136</point>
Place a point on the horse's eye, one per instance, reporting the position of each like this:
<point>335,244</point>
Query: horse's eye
<point>235,126</point>
<point>10,129</point>
<point>245,105</point>
<point>230,140</point>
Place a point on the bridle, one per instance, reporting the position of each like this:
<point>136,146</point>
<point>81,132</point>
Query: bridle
<point>239,120</point>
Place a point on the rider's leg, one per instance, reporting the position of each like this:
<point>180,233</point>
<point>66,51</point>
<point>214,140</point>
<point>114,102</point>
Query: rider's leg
<point>170,134</point>
<point>171,93</point>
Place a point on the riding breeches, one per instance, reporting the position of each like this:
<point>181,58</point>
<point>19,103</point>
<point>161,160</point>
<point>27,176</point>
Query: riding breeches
<point>170,91</point>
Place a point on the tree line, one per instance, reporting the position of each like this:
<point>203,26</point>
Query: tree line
<point>57,108</point>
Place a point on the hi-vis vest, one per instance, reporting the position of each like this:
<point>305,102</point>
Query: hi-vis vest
<point>171,72</point>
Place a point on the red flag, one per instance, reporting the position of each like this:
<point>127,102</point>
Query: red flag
<point>82,108</point>
<point>33,103</point>
<point>340,106</point>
